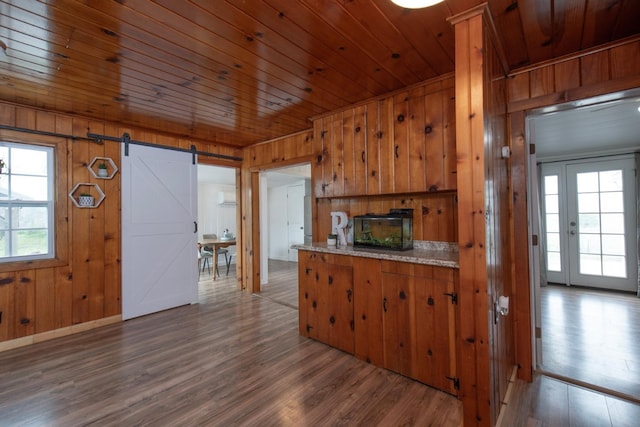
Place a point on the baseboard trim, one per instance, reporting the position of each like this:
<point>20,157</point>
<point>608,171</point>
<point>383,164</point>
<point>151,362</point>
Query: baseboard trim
<point>57,333</point>
<point>507,396</point>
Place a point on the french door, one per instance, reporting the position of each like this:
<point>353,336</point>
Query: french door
<point>590,223</point>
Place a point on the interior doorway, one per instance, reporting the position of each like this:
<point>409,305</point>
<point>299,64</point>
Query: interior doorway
<point>588,241</point>
<point>285,220</point>
<point>217,214</point>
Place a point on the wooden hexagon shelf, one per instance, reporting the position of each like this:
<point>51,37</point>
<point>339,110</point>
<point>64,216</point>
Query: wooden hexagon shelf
<point>80,201</point>
<point>110,169</point>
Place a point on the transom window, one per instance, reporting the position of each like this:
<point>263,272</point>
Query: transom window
<point>26,202</point>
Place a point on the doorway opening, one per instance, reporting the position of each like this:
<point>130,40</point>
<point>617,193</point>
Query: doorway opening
<point>583,178</point>
<point>285,220</point>
<point>217,219</point>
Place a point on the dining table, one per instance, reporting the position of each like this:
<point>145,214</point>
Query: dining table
<point>216,244</point>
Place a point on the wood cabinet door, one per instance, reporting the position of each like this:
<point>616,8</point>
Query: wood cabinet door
<point>340,308</point>
<point>367,310</point>
<point>320,158</point>
<point>335,138</point>
<point>435,327</point>
<point>348,153</point>
<point>416,147</point>
<point>308,278</point>
<point>373,148</point>
<point>400,153</point>
<point>360,150</point>
<point>398,322</point>
<point>387,145</point>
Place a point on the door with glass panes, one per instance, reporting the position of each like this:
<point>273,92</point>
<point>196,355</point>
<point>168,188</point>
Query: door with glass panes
<point>589,218</point>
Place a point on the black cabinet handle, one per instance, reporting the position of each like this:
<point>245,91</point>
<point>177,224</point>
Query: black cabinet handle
<point>397,154</point>
<point>349,293</point>
<point>384,304</point>
<point>195,227</point>
<point>363,159</point>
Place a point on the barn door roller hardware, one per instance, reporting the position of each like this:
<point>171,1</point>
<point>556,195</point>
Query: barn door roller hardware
<point>126,140</point>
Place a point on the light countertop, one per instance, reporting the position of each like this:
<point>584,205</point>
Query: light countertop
<point>443,254</point>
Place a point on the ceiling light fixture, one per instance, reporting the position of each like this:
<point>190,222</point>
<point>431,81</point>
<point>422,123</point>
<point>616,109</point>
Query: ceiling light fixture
<point>416,4</point>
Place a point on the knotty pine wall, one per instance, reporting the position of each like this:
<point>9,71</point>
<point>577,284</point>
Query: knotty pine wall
<point>485,347</point>
<point>82,289</point>
<point>434,215</point>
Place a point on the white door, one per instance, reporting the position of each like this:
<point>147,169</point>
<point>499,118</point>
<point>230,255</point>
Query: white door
<point>159,240</point>
<point>595,228</point>
<point>295,218</point>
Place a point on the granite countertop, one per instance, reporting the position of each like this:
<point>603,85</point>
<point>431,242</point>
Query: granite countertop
<point>443,254</point>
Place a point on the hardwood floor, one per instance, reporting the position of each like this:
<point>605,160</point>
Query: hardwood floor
<point>592,337</point>
<point>550,402</point>
<point>283,283</point>
<point>233,359</point>
<point>237,359</point>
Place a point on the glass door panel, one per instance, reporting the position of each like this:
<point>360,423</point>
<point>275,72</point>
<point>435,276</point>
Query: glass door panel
<point>601,224</point>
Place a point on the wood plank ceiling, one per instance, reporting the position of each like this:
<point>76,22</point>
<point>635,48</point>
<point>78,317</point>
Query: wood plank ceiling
<point>243,71</point>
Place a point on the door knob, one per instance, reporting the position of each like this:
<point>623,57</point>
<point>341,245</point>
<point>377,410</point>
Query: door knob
<point>572,223</point>
<point>572,232</point>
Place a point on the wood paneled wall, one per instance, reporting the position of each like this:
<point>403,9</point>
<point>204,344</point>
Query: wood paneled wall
<point>608,69</point>
<point>286,151</point>
<point>82,288</point>
<point>485,347</point>
<point>434,215</point>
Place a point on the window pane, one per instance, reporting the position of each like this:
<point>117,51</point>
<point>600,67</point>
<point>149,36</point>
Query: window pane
<point>553,223</point>
<point>551,204</point>
<point>30,242</point>
<point>588,203</point>
<point>29,188</point>
<point>4,218</point>
<point>551,184</point>
<point>26,202</point>
<point>613,223</point>
<point>29,217</point>
<point>611,180</point>
<point>587,182</point>
<point>614,266</point>
<point>553,261</point>
<point>589,223</point>
<point>4,244</point>
<point>611,202</point>
<point>28,161</point>
<point>553,242</point>
<point>589,243</point>
<point>613,244</point>
<point>4,187</point>
<point>590,264</point>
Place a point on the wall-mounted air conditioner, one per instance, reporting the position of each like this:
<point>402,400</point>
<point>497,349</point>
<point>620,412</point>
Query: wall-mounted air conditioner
<point>227,199</point>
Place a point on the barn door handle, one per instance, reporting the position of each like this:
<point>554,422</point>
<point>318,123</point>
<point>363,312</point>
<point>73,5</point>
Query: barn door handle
<point>195,227</point>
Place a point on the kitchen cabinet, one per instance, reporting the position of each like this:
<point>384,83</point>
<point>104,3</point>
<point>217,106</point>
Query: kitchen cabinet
<point>419,317</point>
<point>393,314</point>
<point>326,299</point>
<point>367,307</point>
<point>400,144</point>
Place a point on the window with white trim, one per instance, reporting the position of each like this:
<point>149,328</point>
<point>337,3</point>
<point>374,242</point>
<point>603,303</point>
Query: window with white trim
<point>26,202</point>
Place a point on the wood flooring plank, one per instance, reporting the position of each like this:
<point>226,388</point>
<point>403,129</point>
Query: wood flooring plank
<point>232,359</point>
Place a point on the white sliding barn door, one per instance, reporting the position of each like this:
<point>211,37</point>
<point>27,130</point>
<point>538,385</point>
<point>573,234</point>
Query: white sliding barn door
<point>159,242</point>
